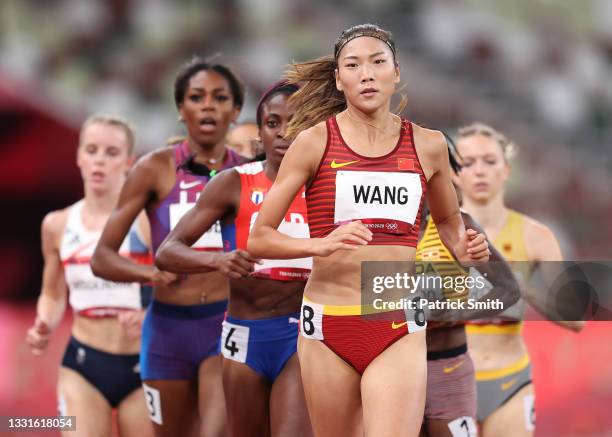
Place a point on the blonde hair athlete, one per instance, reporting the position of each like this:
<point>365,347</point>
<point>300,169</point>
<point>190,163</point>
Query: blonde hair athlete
<point>503,372</point>
<point>100,368</point>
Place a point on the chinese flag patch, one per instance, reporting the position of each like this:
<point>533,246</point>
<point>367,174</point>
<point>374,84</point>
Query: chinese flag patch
<point>405,164</point>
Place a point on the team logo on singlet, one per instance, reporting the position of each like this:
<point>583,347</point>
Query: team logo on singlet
<point>72,237</point>
<point>335,164</point>
<point>257,195</point>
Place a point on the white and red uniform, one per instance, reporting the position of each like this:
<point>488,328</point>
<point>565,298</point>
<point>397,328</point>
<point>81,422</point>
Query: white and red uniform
<point>254,184</point>
<point>90,295</point>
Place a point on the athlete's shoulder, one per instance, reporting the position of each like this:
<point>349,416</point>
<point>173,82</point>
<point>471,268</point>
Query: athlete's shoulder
<point>308,148</point>
<point>54,223</point>
<point>314,135</point>
<point>157,158</point>
<point>430,141</point>
<point>154,164</point>
<point>535,229</point>
<point>540,241</point>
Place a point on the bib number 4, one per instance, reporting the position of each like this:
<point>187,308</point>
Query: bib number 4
<point>235,341</point>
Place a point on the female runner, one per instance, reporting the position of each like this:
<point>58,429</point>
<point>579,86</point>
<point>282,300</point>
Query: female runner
<point>99,371</point>
<point>180,362</point>
<point>506,403</point>
<point>450,405</point>
<point>261,372</point>
<point>366,172</point>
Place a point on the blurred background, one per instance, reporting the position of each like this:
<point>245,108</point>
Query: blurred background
<point>538,70</point>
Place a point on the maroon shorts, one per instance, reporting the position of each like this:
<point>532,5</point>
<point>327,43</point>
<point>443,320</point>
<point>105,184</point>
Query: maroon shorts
<point>451,385</point>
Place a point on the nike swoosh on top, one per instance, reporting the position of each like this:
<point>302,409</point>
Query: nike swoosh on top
<point>293,320</point>
<point>187,185</point>
<point>335,164</point>
<point>397,325</point>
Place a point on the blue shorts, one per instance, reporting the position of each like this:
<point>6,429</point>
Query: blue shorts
<point>176,339</point>
<point>265,345</point>
<point>114,376</point>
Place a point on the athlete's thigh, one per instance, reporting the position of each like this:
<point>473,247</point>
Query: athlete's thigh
<point>515,418</point>
<point>172,406</point>
<point>460,427</point>
<point>78,397</point>
<point>331,389</point>
<point>133,417</point>
<point>393,389</point>
<point>247,397</point>
<point>288,413</point>
<point>211,402</point>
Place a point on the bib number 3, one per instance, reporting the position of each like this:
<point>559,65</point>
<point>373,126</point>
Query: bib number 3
<point>153,401</point>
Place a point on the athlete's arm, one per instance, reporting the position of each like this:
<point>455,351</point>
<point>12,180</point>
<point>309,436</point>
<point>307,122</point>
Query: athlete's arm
<point>299,165</point>
<point>542,247</point>
<point>497,271</point>
<point>144,230</point>
<point>52,300</point>
<point>220,198</point>
<point>467,246</point>
<point>141,185</point>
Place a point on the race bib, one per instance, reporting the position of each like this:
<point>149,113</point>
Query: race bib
<point>88,291</point>
<point>210,240</point>
<point>463,427</point>
<point>153,400</point>
<point>296,230</point>
<point>235,341</point>
<point>311,320</point>
<point>384,201</point>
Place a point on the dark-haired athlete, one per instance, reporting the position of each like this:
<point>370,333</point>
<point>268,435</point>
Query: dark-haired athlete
<point>359,374</point>
<point>261,372</point>
<point>180,362</point>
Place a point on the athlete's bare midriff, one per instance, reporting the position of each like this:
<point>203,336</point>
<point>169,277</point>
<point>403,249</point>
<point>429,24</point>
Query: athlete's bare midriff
<point>260,298</point>
<point>105,334</point>
<point>441,339</point>
<point>336,279</point>
<point>492,352</point>
<point>195,289</point>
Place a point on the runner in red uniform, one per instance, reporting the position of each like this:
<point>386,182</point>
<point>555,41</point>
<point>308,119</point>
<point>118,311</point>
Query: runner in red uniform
<point>367,173</point>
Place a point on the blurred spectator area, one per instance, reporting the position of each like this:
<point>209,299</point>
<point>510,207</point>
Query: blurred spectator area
<point>539,71</point>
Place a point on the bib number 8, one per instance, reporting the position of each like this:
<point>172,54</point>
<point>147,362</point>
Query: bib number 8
<point>419,313</point>
<point>307,316</point>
